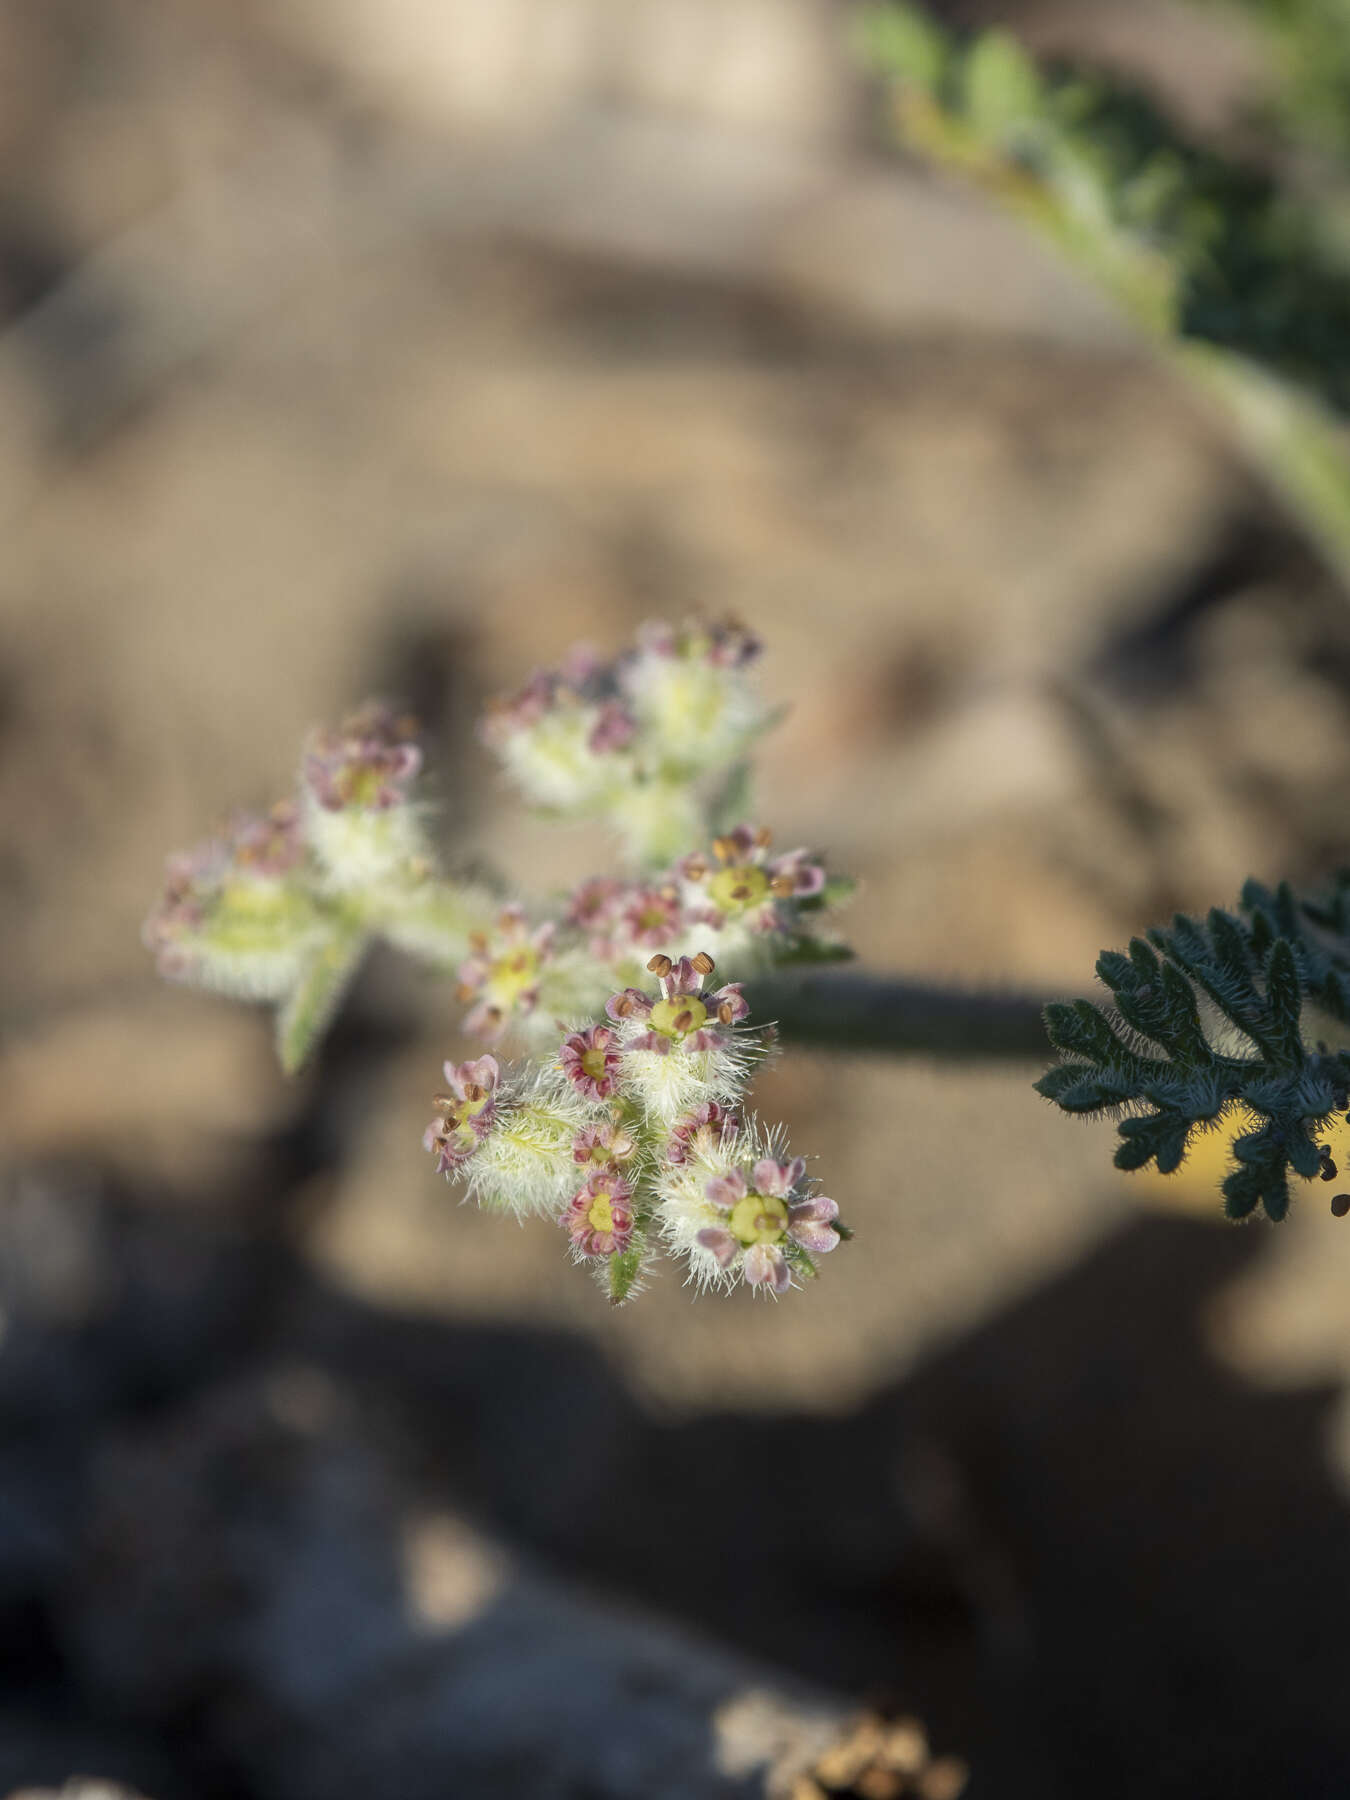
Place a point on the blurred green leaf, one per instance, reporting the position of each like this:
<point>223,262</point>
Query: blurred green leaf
<point>624,1269</point>
<point>305,1015</point>
<point>899,40</point>
<point>1000,86</point>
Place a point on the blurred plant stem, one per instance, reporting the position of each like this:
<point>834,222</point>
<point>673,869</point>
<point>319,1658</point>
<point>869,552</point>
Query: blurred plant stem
<point>830,1010</point>
<point>1296,445</point>
<point>1231,282</point>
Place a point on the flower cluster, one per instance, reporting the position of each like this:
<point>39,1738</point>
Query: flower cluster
<point>367,764</point>
<point>633,740</point>
<point>633,1138</point>
<point>281,906</point>
<point>750,906</point>
<point>744,885</point>
<point>502,975</point>
<point>234,913</point>
<point>626,1119</point>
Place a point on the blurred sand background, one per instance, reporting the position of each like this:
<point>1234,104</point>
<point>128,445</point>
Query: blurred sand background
<point>382,345</point>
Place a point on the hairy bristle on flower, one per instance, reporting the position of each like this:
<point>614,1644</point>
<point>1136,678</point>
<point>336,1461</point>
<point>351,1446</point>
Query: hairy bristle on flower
<point>740,1211</point>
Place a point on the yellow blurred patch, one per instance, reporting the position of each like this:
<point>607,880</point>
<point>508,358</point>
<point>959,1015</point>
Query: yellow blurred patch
<point>1194,1188</point>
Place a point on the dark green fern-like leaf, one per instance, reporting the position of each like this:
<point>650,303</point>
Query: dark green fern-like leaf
<point>1212,1020</point>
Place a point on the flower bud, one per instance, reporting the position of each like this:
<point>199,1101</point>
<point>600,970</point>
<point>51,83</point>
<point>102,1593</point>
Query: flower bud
<point>236,914</point>
<point>355,785</point>
<point>690,697</point>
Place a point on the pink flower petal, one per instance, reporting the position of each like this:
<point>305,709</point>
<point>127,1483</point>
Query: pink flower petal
<point>770,1176</point>
<point>721,1243</point>
<point>684,977</point>
<point>724,1191</point>
<point>812,1235</point>
<point>632,1003</point>
<point>765,1266</point>
<point>818,1207</point>
<point>731,996</point>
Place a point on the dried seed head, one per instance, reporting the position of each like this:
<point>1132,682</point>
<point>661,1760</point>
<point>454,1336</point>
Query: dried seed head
<point>906,1746</point>
<point>843,1762</point>
<point>877,1783</point>
<point>944,1779</point>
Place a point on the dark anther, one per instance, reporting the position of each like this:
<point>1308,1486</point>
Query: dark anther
<point>1340,1205</point>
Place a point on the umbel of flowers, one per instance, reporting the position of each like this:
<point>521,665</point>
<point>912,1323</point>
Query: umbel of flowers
<point>634,1138</point>
<point>625,1120</point>
<point>283,906</point>
<point>641,741</point>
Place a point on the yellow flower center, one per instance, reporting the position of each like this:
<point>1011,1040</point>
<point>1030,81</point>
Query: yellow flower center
<point>760,1219</point>
<point>678,1017</point>
<point>593,1064</point>
<point>359,785</point>
<point>512,975</point>
<point>601,1215</point>
<point>732,890</point>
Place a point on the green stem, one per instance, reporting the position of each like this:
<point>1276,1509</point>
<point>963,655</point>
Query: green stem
<point>304,1017</point>
<point>1295,443</point>
<point>851,1012</point>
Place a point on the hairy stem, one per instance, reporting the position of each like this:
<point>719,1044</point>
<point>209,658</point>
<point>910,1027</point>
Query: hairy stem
<point>838,1011</point>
